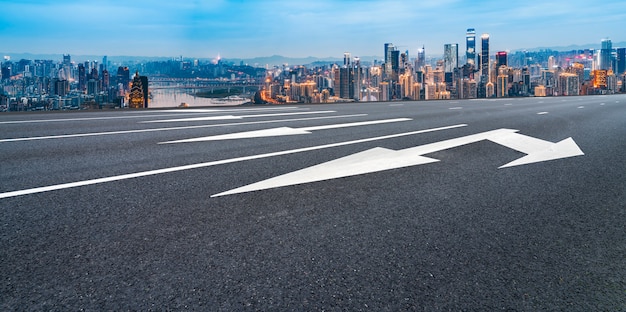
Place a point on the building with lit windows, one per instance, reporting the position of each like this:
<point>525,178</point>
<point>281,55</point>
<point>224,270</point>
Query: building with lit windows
<point>484,56</point>
<point>470,46</point>
<point>501,59</point>
<point>138,97</point>
<point>569,84</point>
<point>605,57</point>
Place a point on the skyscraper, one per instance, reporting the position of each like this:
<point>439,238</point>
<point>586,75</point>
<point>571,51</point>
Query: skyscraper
<point>388,58</point>
<point>420,61</point>
<point>501,59</point>
<point>605,55</point>
<point>470,43</point>
<point>484,57</point>
<point>346,59</point>
<point>450,57</point>
<point>621,61</point>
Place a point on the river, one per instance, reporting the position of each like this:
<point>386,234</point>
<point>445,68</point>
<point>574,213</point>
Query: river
<point>162,98</point>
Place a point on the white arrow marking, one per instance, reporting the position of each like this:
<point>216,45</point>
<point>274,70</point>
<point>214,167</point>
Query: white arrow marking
<point>227,117</point>
<point>283,131</point>
<point>76,135</point>
<point>381,159</point>
<point>212,163</point>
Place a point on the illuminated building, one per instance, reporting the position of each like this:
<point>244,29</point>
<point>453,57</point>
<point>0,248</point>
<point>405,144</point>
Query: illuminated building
<point>599,79</point>
<point>569,84</point>
<point>138,97</point>
<point>470,43</point>
<point>501,59</point>
<point>406,83</point>
<point>605,58</point>
<point>540,91</point>
<point>490,89</point>
<point>502,86</point>
<point>484,57</point>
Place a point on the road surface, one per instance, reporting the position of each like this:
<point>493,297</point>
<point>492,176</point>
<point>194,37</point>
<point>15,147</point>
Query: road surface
<point>504,204</point>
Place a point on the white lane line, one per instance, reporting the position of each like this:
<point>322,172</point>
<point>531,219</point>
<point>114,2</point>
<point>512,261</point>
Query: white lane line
<point>227,117</point>
<point>455,108</point>
<point>212,163</point>
<point>282,131</point>
<point>542,113</point>
<point>581,107</point>
<point>64,136</point>
<point>139,116</point>
<point>508,104</point>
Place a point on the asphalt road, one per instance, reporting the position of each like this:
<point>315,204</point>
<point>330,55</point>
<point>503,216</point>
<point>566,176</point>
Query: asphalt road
<point>97,213</point>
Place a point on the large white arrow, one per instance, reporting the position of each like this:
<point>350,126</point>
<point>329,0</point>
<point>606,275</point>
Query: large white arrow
<point>380,159</point>
<point>283,131</point>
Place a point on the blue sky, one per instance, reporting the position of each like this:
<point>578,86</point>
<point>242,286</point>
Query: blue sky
<point>321,28</point>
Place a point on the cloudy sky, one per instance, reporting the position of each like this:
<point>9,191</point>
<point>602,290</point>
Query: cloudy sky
<point>321,28</point>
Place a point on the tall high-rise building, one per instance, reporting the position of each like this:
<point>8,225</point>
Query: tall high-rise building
<point>470,43</point>
<point>484,57</point>
<point>123,77</point>
<point>82,77</point>
<point>420,61</point>
<point>346,83</point>
<point>621,61</point>
<point>501,59</point>
<point>388,58</point>
<point>605,61</point>
<point>346,59</point>
<point>67,60</point>
<point>450,57</point>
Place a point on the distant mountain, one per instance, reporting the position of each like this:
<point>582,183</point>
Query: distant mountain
<point>278,60</point>
<point>274,60</point>
<point>598,45</point>
<point>81,58</point>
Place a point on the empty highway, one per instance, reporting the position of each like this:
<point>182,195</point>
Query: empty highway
<point>473,205</point>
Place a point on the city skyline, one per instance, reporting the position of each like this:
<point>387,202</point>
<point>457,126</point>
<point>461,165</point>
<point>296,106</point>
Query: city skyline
<point>324,28</point>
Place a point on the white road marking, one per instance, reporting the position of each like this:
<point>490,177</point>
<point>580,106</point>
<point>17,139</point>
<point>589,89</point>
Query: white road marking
<point>508,104</point>
<point>227,117</point>
<point>581,107</point>
<point>136,115</point>
<point>381,159</point>
<point>212,163</point>
<point>455,108</point>
<point>392,105</point>
<point>283,131</point>
<point>542,113</point>
<point>77,135</point>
